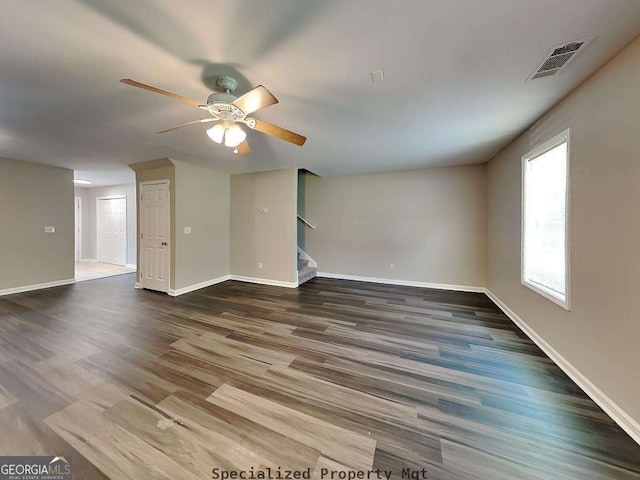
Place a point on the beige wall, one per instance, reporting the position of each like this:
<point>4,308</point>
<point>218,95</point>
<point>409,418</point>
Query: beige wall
<point>269,238</point>
<point>89,218</point>
<point>202,203</point>
<point>600,335</point>
<point>430,223</point>
<point>31,197</point>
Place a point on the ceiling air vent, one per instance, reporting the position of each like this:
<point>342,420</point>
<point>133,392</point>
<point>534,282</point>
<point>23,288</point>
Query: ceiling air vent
<point>558,58</point>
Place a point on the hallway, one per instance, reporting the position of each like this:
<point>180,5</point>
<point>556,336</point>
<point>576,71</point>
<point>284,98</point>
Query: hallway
<point>93,270</point>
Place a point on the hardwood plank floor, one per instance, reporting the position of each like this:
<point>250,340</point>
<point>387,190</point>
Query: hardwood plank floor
<point>337,375</point>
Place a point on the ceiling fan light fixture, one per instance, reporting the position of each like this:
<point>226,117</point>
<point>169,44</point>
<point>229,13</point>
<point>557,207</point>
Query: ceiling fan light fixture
<point>216,133</point>
<point>235,136</point>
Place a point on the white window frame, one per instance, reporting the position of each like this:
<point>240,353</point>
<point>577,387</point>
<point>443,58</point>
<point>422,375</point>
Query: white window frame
<point>545,147</point>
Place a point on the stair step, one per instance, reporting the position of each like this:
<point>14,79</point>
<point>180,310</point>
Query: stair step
<point>306,273</point>
<point>302,263</point>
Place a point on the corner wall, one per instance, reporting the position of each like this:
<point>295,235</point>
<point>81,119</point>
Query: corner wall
<point>32,197</point>
<point>267,238</point>
<point>599,337</point>
<point>429,223</point>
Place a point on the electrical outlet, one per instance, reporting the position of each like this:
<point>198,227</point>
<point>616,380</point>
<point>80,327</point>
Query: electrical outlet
<point>49,229</point>
<point>260,266</point>
<point>264,210</point>
<point>187,229</point>
<point>392,266</point>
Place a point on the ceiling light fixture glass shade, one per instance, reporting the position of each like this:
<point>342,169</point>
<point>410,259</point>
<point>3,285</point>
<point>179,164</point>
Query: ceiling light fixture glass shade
<point>235,136</point>
<point>216,133</point>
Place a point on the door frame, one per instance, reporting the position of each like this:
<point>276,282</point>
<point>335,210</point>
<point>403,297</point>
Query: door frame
<point>98,224</point>
<point>77,210</point>
<point>140,259</point>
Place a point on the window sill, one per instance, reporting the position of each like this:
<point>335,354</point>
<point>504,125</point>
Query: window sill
<point>546,294</point>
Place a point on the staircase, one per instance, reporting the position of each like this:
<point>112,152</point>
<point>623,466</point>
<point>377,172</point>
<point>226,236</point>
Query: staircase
<point>305,271</point>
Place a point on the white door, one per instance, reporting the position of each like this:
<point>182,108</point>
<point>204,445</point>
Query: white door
<point>112,230</point>
<point>154,235</point>
<point>77,209</point>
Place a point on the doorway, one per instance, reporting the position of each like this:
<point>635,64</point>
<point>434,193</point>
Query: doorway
<point>105,234</point>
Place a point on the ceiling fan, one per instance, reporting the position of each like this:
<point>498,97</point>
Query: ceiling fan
<point>228,112</point>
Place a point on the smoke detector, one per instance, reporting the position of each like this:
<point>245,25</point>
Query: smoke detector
<point>559,57</point>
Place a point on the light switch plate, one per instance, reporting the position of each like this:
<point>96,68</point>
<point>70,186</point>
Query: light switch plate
<point>187,229</point>
<point>49,229</point>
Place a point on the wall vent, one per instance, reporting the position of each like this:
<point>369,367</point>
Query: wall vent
<point>558,58</point>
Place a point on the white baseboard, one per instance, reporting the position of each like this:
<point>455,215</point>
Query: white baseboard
<point>198,286</point>
<point>265,281</point>
<point>37,286</point>
<point>406,283</point>
<point>131,265</point>
<point>89,260</point>
<point>612,409</point>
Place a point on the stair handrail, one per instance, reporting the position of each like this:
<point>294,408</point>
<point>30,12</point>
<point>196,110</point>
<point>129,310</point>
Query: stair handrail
<point>305,222</point>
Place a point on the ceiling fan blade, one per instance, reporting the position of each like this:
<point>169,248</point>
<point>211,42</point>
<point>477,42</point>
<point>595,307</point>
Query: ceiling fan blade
<point>243,148</point>
<point>204,120</point>
<point>279,132</point>
<point>133,83</point>
<point>254,100</point>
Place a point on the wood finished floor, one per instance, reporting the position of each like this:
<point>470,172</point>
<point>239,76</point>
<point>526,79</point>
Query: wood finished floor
<point>337,374</point>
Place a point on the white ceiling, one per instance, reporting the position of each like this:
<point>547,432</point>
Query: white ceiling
<point>454,90</point>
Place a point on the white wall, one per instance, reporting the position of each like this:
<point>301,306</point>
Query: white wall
<point>600,335</point>
<point>32,197</point>
<point>89,218</point>
<point>430,223</point>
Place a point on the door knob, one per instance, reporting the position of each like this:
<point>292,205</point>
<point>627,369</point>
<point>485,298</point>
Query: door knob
<point>164,243</point>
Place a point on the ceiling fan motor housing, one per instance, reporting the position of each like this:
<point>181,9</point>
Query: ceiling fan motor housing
<point>217,103</point>
<point>228,84</point>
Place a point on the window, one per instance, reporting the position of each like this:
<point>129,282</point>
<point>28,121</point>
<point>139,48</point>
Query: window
<point>545,209</point>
